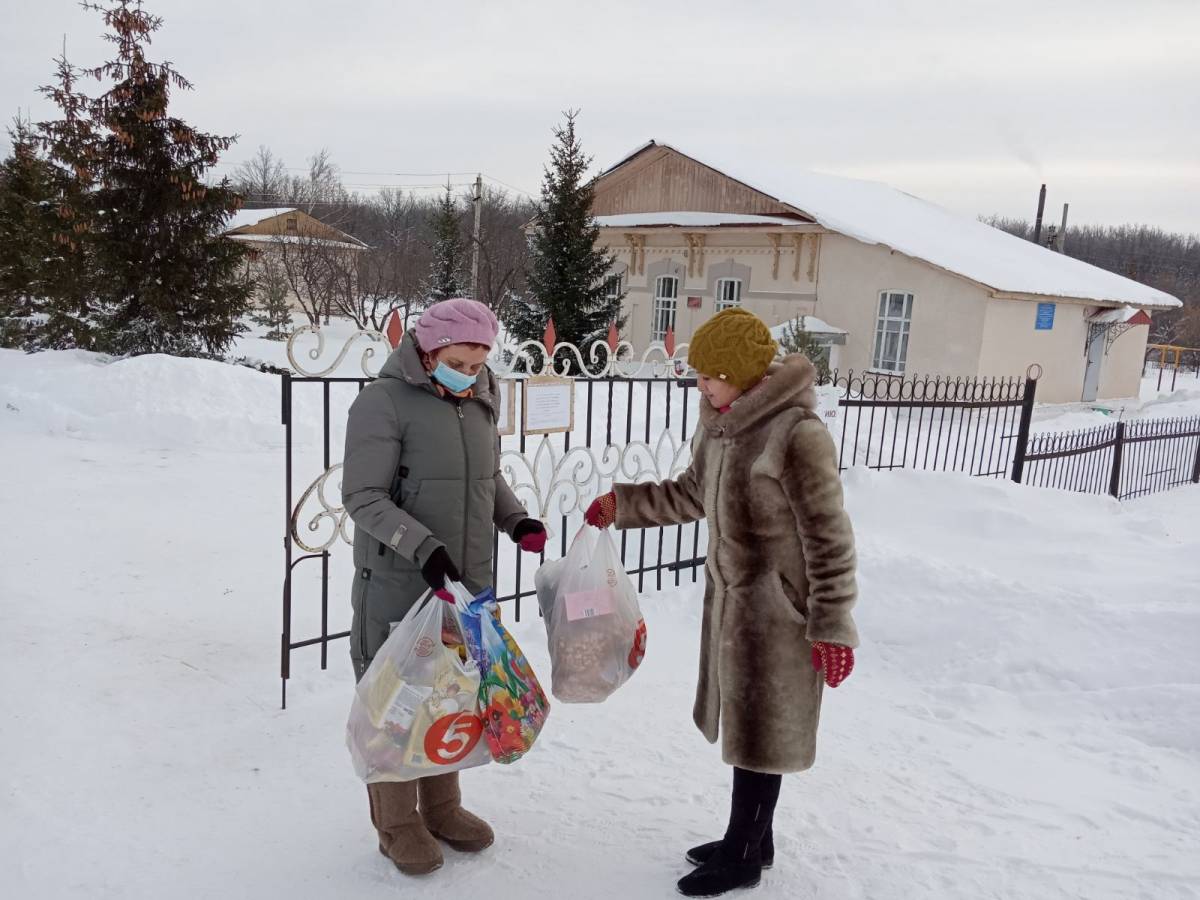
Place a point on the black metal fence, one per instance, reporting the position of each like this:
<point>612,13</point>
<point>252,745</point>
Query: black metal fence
<point>628,429</point>
<point>970,425</point>
<point>1122,459</point>
<point>639,428</point>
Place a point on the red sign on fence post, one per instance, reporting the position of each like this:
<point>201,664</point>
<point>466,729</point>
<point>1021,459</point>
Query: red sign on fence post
<point>394,329</point>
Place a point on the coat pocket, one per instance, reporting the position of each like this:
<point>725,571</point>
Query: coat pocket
<point>439,504</point>
<point>786,599</point>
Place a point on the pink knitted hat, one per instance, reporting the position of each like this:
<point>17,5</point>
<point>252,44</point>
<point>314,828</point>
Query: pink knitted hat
<point>456,321</point>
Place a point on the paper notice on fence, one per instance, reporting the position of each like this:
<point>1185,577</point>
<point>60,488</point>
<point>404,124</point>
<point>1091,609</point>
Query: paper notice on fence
<point>549,405</point>
<point>828,408</point>
<point>508,419</point>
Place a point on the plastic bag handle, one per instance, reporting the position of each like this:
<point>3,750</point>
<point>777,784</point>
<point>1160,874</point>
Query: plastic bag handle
<point>463,598</point>
<point>586,536</point>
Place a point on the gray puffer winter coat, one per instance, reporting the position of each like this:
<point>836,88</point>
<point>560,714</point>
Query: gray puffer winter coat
<point>420,472</point>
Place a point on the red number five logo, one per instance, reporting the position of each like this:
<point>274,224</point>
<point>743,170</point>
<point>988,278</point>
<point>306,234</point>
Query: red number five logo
<point>452,737</point>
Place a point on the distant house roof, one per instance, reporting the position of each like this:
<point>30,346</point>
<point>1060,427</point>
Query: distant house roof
<point>248,218</point>
<point>693,220</point>
<point>244,218</point>
<point>875,213</point>
<point>352,244</point>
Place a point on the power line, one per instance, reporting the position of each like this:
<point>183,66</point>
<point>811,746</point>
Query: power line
<point>380,173</point>
<point>509,186</point>
<point>356,172</point>
<point>261,195</point>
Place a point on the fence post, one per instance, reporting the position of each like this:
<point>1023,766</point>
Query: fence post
<point>1114,481</point>
<point>1018,470</point>
<point>1196,464</point>
<point>285,638</point>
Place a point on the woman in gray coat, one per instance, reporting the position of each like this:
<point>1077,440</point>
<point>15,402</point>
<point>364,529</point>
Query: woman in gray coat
<point>421,481</point>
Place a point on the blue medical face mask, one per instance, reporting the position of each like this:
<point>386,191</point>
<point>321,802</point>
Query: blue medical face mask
<point>452,379</point>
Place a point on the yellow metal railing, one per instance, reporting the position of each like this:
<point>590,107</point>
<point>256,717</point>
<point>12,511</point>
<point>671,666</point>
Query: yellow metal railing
<point>1164,349</point>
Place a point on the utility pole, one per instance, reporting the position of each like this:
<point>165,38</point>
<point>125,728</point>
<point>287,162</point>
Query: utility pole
<point>475,238</point>
<point>1037,226</point>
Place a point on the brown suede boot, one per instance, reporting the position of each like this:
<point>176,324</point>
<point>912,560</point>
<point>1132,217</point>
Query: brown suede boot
<point>441,808</point>
<point>403,837</point>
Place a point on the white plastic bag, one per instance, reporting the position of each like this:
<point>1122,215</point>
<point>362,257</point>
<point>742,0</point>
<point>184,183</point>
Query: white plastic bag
<point>594,625</point>
<point>415,711</point>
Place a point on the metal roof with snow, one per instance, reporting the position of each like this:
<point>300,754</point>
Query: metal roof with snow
<point>876,213</point>
<point>245,218</point>
<point>683,219</point>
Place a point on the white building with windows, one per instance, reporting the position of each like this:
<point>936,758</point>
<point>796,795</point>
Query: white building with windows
<point>901,286</point>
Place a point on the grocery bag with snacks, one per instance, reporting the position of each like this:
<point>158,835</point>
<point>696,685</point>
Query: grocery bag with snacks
<point>511,700</point>
<point>415,711</point>
<point>594,625</point>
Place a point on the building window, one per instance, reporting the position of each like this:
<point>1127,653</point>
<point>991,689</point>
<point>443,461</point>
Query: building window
<point>291,224</point>
<point>612,288</point>
<point>729,293</point>
<point>891,332</point>
<point>666,293</point>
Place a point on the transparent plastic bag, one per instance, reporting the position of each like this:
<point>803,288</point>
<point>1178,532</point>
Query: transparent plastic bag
<point>416,710</point>
<point>594,626</point>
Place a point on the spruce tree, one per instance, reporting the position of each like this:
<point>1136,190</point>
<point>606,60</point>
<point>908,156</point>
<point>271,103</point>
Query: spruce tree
<point>275,311</point>
<point>446,271</point>
<point>167,281</point>
<point>27,231</point>
<point>66,314</point>
<point>568,271</point>
<point>795,339</point>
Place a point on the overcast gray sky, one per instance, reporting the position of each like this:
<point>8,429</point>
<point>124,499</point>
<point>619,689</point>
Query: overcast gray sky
<point>970,104</point>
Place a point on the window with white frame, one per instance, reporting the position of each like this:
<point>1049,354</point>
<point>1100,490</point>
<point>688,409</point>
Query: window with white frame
<point>666,294</point>
<point>729,293</point>
<point>612,287</point>
<point>891,331</point>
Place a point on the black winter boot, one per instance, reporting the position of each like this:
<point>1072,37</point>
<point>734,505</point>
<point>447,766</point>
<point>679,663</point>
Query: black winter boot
<point>738,860</point>
<point>698,856</point>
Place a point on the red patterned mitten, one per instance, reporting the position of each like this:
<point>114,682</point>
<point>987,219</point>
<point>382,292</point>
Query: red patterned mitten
<point>836,660</point>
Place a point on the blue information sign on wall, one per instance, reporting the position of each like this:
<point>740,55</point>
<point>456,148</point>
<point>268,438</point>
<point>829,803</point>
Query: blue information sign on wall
<point>1045,316</point>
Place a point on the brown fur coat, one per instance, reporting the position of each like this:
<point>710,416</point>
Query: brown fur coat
<point>780,569</point>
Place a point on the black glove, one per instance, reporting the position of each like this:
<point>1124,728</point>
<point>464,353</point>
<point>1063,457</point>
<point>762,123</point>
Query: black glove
<point>439,570</point>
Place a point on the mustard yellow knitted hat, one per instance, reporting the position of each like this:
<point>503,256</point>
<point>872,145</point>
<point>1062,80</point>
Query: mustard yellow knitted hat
<point>734,346</point>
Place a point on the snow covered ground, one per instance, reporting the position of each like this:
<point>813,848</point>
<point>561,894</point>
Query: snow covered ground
<point>1024,721</point>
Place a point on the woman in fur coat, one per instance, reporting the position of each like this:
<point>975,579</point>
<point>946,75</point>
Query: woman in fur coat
<point>779,574</point>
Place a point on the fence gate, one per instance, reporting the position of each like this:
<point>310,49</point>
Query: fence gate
<point>635,421</point>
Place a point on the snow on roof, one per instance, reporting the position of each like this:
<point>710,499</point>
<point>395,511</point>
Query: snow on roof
<point>244,218</point>
<point>1120,316</point>
<point>875,213</point>
<point>691,220</point>
<point>810,325</point>
<point>354,244</point>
